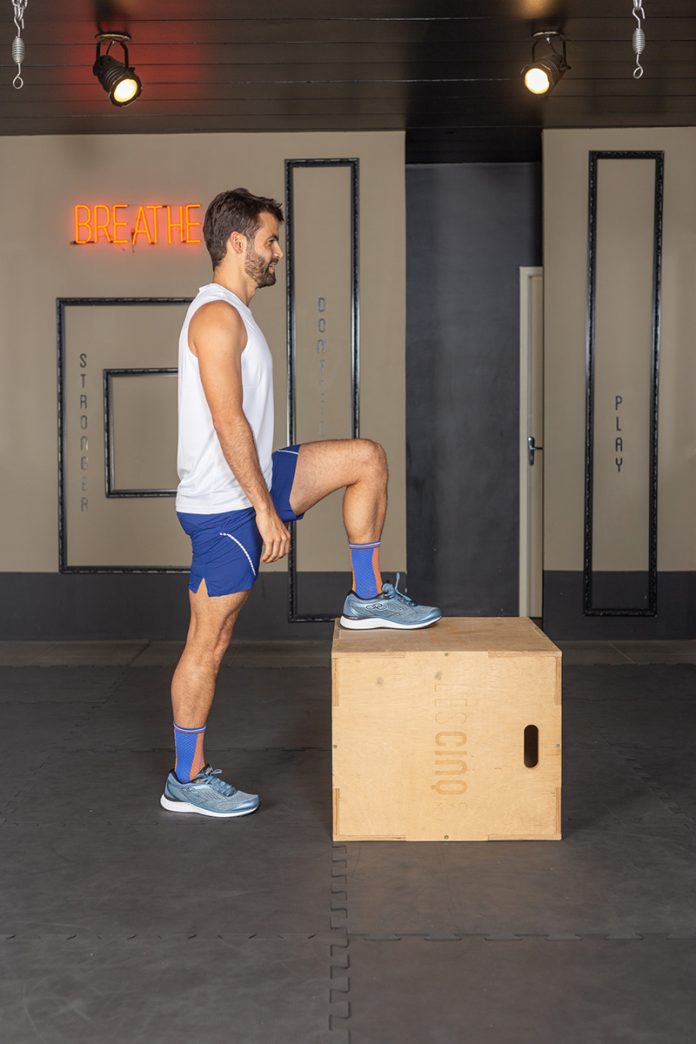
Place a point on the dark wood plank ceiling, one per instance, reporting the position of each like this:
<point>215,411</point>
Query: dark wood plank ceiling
<point>446,71</point>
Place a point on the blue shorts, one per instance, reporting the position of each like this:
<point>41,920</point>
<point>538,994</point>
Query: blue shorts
<point>227,546</point>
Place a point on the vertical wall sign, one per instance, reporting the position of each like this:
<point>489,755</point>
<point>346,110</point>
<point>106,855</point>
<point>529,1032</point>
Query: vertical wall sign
<point>622,390</point>
<point>323,333</point>
<point>117,430</point>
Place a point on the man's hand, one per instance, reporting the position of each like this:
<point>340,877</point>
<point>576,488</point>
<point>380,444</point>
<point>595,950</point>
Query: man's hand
<point>275,536</point>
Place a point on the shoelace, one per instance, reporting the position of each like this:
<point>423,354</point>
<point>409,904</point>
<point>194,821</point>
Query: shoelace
<point>393,591</point>
<point>210,775</point>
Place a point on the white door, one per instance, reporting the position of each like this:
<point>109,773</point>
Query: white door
<point>531,440</point>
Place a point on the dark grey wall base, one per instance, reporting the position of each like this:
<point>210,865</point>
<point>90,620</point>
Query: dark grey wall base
<point>55,607</point>
<point>564,617</point>
<point>76,606</point>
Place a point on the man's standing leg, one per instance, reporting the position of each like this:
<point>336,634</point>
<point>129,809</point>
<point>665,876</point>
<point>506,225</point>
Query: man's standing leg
<point>210,630</point>
<point>193,689</point>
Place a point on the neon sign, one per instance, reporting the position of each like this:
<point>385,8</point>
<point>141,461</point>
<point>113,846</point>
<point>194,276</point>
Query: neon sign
<point>125,224</point>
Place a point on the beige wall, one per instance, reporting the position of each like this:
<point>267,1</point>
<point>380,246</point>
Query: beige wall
<point>43,177</point>
<point>565,268</point>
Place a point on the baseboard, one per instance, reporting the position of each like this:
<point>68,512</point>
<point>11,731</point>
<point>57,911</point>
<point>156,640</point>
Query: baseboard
<point>77,606</point>
<point>564,617</point>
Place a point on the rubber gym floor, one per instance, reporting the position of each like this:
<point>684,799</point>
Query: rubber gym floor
<point>123,923</point>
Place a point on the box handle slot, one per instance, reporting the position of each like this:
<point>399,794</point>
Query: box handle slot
<point>531,746</point>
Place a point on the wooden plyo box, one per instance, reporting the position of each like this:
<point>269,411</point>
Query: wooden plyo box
<point>448,733</point>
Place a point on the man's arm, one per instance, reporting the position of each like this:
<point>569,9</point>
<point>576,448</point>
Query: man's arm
<point>217,336</point>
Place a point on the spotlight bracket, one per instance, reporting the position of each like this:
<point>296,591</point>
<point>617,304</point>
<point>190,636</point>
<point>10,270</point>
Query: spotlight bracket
<point>111,38</point>
<point>551,37</point>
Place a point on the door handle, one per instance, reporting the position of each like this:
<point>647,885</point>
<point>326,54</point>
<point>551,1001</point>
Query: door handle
<point>532,448</point>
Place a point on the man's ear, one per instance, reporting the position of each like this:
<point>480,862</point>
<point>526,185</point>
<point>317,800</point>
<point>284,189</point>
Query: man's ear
<point>236,242</point>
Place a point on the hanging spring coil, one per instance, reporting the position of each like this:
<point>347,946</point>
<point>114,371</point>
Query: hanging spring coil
<point>638,37</point>
<point>18,47</point>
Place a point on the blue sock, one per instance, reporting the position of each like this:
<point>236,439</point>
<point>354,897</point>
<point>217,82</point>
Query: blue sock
<point>367,579</point>
<point>189,752</point>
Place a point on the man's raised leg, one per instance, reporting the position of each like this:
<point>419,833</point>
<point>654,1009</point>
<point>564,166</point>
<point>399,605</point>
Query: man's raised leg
<point>359,466</point>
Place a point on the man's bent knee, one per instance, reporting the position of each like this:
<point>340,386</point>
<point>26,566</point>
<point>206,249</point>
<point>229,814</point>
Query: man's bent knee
<point>374,455</point>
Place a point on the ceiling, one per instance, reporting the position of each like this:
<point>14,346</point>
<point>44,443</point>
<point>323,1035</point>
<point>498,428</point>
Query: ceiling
<point>446,71</point>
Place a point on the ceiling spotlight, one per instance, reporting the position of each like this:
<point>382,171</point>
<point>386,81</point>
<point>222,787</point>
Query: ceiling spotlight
<point>545,70</point>
<point>117,78</point>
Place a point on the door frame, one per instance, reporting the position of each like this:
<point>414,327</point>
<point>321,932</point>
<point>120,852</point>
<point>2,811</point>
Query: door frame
<point>527,274</point>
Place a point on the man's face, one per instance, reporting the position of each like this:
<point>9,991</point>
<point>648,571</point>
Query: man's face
<point>263,252</point>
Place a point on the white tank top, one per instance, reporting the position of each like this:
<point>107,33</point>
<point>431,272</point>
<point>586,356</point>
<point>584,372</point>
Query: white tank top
<point>207,484</point>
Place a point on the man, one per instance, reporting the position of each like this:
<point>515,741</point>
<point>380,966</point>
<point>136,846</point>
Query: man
<point>236,496</point>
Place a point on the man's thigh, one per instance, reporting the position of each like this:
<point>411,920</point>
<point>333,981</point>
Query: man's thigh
<point>324,467</point>
<point>212,616</point>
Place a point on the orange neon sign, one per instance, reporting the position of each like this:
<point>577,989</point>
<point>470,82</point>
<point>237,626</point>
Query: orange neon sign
<point>125,224</point>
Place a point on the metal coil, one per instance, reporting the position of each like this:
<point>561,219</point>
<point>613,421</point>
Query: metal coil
<point>638,41</point>
<point>18,50</point>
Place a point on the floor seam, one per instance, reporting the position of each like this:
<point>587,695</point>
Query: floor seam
<point>339,950</point>
<point>327,938</point>
<point>569,937</point>
<point>339,943</point>
<point>139,653</point>
<point>622,653</point>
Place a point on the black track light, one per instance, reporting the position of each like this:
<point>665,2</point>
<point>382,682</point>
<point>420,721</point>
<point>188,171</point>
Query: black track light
<point>544,71</point>
<point>118,79</point>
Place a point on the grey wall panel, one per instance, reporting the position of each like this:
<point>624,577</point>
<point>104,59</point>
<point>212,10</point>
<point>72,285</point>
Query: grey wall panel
<point>470,228</point>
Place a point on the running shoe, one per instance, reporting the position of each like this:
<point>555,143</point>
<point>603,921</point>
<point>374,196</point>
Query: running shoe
<point>392,608</point>
<point>207,795</point>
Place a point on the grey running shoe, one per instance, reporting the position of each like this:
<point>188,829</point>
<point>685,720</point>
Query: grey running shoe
<point>208,795</point>
<point>392,608</point>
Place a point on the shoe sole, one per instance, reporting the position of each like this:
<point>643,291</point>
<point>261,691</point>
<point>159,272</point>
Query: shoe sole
<point>186,807</point>
<point>372,624</point>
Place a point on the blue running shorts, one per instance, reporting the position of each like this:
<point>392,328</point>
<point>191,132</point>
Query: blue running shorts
<point>227,546</point>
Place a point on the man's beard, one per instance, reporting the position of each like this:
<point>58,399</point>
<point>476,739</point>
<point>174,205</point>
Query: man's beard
<point>258,269</point>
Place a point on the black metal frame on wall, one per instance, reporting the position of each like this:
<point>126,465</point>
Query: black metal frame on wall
<point>61,304</point>
<point>290,166</point>
<point>111,488</point>
<point>588,607</point>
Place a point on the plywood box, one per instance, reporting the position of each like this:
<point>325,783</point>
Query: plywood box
<point>449,733</point>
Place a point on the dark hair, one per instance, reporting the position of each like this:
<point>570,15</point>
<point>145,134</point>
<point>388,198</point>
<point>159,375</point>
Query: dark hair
<point>235,211</point>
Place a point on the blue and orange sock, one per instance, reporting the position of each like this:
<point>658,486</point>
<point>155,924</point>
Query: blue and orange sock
<point>367,579</point>
<point>189,752</point>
